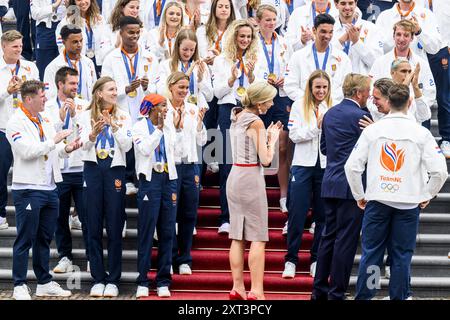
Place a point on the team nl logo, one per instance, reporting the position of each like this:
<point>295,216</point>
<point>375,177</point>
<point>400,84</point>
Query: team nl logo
<point>391,158</point>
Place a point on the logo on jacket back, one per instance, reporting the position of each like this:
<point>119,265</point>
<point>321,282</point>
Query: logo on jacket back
<point>391,158</point>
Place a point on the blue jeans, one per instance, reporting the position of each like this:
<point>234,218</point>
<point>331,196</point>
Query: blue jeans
<point>387,226</point>
<point>71,186</point>
<point>6,159</point>
<point>157,203</point>
<point>36,214</point>
<point>104,200</point>
<point>304,183</point>
<point>188,190</point>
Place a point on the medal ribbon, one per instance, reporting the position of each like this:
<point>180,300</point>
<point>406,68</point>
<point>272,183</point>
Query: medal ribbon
<point>404,15</point>
<point>347,43</point>
<point>89,34</point>
<point>103,136</point>
<point>15,72</point>
<point>290,5</point>
<point>191,78</point>
<point>240,65</point>
<point>157,9</point>
<point>66,122</point>
<point>315,11</point>
<point>160,151</point>
<point>217,44</point>
<point>131,73</point>
<point>270,61</point>
<point>74,66</point>
<point>37,121</point>
<point>316,58</point>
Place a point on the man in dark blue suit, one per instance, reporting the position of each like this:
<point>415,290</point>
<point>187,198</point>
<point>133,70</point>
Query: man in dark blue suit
<point>340,132</point>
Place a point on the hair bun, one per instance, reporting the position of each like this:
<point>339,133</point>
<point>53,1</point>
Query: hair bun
<point>245,100</point>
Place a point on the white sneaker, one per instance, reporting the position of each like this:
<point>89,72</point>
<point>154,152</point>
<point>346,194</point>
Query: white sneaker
<point>312,269</point>
<point>124,230</point>
<point>163,292</point>
<point>213,167</point>
<point>387,272</point>
<point>194,233</point>
<point>445,147</point>
<point>22,292</point>
<point>74,223</point>
<point>389,298</point>
<point>3,223</point>
<point>312,228</point>
<point>51,289</point>
<point>284,231</point>
<point>283,206</point>
<point>224,228</point>
<point>111,291</point>
<point>185,269</point>
<point>97,290</point>
<point>141,292</point>
<point>289,270</point>
<point>130,188</point>
<point>64,265</point>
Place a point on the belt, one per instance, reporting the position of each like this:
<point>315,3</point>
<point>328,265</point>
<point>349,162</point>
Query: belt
<point>246,164</point>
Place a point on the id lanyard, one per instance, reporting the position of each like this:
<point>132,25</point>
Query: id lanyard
<point>191,78</point>
<point>160,151</point>
<point>66,122</point>
<point>316,58</point>
<point>131,73</point>
<point>156,12</point>
<point>80,82</point>
<point>103,136</point>
<point>270,61</point>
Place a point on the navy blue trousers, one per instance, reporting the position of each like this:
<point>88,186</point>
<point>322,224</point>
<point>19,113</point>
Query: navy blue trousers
<point>210,122</point>
<point>157,203</point>
<point>225,165</point>
<point>26,26</point>
<point>439,64</point>
<point>188,190</point>
<point>337,249</point>
<point>387,226</point>
<point>6,159</point>
<point>304,183</point>
<point>36,215</point>
<point>70,187</point>
<point>46,48</point>
<point>104,200</point>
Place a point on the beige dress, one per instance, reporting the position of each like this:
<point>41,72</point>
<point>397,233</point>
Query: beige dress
<point>246,187</point>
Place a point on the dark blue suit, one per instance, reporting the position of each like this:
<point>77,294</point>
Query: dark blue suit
<point>340,132</point>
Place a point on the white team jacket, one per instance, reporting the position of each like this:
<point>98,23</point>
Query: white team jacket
<point>396,150</point>
<point>381,68</point>
<point>151,41</point>
<point>27,71</point>
<point>88,79</point>
<point>114,66</point>
<point>305,136</point>
<point>29,151</point>
<point>42,11</point>
<point>122,138</point>
<point>302,64</point>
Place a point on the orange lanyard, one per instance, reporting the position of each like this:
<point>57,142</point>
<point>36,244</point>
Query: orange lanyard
<point>35,120</point>
<point>130,59</point>
<point>158,7</point>
<point>404,15</point>
<point>430,5</point>
<point>408,56</point>
<point>169,40</point>
<point>241,65</point>
<point>217,43</point>
<point>326,9</point>
<point>73,65</point>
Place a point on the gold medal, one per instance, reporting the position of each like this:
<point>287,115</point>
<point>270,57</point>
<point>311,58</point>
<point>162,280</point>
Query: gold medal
<point>102,154</point>
<point>45,157</point>
<point>65,141</point>
<point>272,77</point>
<point>192,99</point>
<point>24,78</point>
<point>90,53</point>
<point>80,96</point>
<point>166,167</point>
<point>132,94</point>
<point>15,103</point>
<point>241,91</point>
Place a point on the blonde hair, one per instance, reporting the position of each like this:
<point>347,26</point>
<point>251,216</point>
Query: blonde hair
<point>309,99</point>
<point>230,46</point>
<point>405,24</point>
<point>353,83</point>
<point>397,62</point>
<point>211,24</point>
<point>168,5</point>
<point>11,35</point>
<point>265,7</point>
<point>172,79</point>
<point>258,92</point>
<point>183,35</point>
<point>96,103</point>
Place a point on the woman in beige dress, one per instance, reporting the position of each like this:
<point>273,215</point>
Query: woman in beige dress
<point>252,147</point>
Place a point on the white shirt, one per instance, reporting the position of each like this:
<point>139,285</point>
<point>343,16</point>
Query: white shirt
<point>87,78</point>
<point>428,41</point>
<point>27,71</point>
<point>114,66</point>
<point>302,64</point>
<point>42,11</point>
<point>382,69</point>
<point>202,90</point>
<point>396,150</point>
<point>441,9</point>
<point>306,136</point>
<point>363,53</point>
